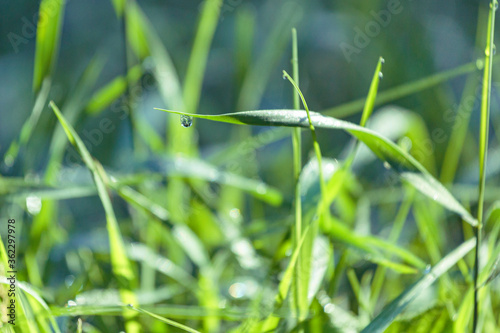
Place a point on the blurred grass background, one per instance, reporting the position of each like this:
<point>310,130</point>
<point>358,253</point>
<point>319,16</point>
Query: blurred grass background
<point>207,212</point>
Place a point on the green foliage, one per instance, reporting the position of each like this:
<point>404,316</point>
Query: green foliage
<point>266,231</point>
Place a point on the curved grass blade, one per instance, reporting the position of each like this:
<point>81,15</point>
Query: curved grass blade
<point>119,261</point>
<point>165,320</point>
<point>389,313</point>
<point>409,169</point>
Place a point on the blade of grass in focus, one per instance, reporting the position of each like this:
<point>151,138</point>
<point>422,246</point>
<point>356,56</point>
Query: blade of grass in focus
<point>323,212</point>
<point>300,283</point>
<point>483,149</point>
<point>119,261</point>
<point>405,165</point>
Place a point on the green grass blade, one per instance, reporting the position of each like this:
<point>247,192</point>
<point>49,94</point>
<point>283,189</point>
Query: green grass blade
<point>165,320</point>
<point>103,98</point>
<point>372,93</point>
<point>119,6</point>
<point>300,290</point>
<point>483,148</point>
<point>409,169</point>
<point>284,286</point>
<point>403,90</point>
<point>119,261</point>
<point>389,313</point>
<point>29,125</point>
<point>47,40</point>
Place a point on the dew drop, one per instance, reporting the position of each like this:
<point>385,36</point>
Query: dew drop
<point>380,75</point>
<point>427,269</point>
<point>494,48</point>
<point>387,165</point>
<point>494,5</point>
<point>130,305</point>
<point>382,60</point>
<point>284,76</point>
<point>186,121</point>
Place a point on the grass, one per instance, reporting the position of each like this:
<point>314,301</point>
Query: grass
<point>258,234</point>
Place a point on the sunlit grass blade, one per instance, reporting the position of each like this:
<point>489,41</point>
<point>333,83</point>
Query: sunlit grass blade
<point>47,40</point>
<point>119,261</point>
<point>389,313</point>
<point>106,95</point>
<point>165,320</point>
<point>410,170</point>
<point>372,93</point>
<point>483,148</point>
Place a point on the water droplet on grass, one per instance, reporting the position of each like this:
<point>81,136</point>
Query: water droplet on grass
<point>186,121</point>
<point>284,76</point>
<point>480,64</point>
<point>380,75</point>
<point>427,269</point>
<point>382,60</point>
<point>494,48</point>
<point>387,165</point>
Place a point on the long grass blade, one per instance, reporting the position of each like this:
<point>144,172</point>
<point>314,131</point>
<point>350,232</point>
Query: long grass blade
<point>409,169</point>
<point>483,148</point>
<point>119,261</point>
